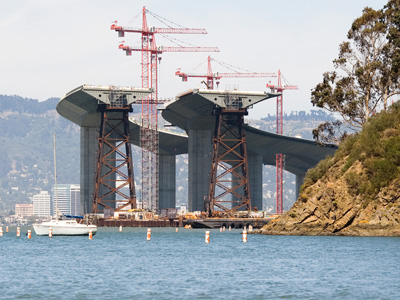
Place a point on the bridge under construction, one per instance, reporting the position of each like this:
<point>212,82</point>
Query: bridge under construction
<point>226,156</point>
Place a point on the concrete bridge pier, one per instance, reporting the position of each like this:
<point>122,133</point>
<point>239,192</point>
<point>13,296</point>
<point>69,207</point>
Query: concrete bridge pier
<point>199,167</point>
<point>167,181</point>
<point>256,180</point>
<point>88,150</point>
<point>88,154</point>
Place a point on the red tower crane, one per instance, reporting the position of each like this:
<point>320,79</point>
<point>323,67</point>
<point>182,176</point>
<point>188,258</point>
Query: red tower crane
<point>149,133</point>
<point>279,88</point>
<point>211,77</point>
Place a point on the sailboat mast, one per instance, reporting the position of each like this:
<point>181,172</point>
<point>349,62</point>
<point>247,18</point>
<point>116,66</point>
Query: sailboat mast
<point>55,175</point>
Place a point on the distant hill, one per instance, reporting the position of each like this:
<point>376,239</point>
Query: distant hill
<point>26,105</point>
<point>26,144</point>
<point>355,192</point>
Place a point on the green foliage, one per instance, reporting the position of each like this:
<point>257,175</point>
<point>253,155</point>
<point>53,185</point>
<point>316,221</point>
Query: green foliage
<point>314,174</point>
<point>358,184</point>
<point>352,179</point>
<point>392,12</point>
<point>376,147</point>
<point>367,69</point>
<point>381,172</point>
<point>380,148</point>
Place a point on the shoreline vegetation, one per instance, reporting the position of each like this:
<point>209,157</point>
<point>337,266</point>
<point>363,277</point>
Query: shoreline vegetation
<point>356,192</point>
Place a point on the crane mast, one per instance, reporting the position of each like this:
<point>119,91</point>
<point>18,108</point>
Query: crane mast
<point>279,130</point>
<point>149,129</point>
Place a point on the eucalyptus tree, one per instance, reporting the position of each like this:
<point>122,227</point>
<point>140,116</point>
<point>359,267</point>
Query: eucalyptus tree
<point>364,77</point>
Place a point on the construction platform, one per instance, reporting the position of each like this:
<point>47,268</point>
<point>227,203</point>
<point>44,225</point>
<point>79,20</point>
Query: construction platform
<point>137,223</point>
<point>233,223</point>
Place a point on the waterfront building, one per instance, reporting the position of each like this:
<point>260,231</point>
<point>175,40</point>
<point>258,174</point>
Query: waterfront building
<point>24,210</point>
<point>41,204</point>
<point>68,199</point>
<point>75,199</point>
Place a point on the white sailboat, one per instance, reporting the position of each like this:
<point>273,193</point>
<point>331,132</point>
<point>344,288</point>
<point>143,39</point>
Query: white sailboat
<point>63,227</point>
<point>59,226</point>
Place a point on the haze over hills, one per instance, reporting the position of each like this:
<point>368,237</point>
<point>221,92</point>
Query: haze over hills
<point>26,142</point>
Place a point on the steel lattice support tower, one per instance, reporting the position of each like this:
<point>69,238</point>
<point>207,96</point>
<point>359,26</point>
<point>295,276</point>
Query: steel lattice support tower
<point>229,170</point>
<point>114,169</point>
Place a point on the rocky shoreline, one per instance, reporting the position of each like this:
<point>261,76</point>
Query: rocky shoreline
<point>330,207</point>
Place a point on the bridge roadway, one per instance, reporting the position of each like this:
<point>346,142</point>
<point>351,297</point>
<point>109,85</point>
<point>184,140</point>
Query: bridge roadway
<point>191,111</point>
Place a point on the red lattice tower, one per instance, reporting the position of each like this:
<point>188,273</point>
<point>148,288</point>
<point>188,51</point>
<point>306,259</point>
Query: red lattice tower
<point>215,77</point>
<point>279,130</point>
<point>149,130</point>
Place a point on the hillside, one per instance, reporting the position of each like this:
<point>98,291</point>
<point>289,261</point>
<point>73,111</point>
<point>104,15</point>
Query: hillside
<point>355,192</point>
<point>26,143</point>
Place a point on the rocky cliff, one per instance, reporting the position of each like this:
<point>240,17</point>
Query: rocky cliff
<point>355,192</point>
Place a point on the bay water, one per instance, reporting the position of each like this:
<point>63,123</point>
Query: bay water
<point>180,265</point>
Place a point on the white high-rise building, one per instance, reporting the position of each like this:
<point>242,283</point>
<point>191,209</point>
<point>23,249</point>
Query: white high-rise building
<point>41,204</point>
<point>75,199</point>
<point>68,199</point>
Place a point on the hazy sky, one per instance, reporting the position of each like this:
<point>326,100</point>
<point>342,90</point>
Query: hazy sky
<point>50,47</point>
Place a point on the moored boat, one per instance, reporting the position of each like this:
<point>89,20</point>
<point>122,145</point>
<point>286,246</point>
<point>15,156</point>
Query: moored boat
<point>64,227</point>
<point>61,226</point>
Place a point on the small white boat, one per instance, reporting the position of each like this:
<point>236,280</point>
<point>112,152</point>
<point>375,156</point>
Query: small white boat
<point>63,227</point>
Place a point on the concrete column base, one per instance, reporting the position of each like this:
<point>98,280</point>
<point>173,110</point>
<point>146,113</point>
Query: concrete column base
<point>167,181</point>
<point>199,167</point>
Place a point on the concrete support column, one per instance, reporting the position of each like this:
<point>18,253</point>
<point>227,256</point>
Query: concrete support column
<point>167,181</point>
<point>88,152</point>
<point>256,180</point>
<point>88,157</point>
<point>199,167</point>
<point>299,182</point>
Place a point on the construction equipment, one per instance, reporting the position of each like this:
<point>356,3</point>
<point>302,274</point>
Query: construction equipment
<point>149,130</point>
<point>279,88</point>
<point>215,77</point>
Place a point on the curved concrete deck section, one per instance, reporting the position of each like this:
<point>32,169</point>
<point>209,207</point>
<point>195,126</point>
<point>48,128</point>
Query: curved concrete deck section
<point>193,112</point>
<point>80,106</point>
